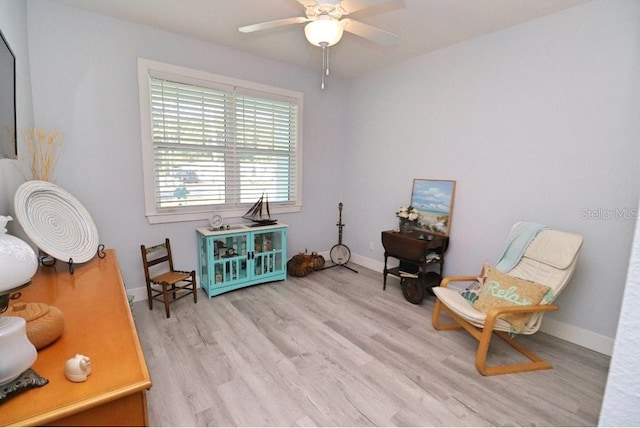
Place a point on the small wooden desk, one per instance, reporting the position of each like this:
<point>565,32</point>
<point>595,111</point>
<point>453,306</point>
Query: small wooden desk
<point>98,324</point>
<point>410,248</point>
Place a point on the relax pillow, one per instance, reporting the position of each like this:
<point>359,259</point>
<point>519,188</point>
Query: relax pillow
<point>471,292</point>
<point>500,289</point>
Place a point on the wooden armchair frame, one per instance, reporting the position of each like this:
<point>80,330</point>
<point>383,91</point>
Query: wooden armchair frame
<point>484,334</point>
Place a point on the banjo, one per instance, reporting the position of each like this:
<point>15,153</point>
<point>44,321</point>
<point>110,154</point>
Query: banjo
<point>340,253</point>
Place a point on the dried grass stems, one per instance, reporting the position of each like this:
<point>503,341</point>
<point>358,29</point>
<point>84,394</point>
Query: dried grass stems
<point>43,149</point>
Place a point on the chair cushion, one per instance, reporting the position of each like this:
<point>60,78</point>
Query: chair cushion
<point>555,248</point>
<point>500,289</point>
<point>452,299</point>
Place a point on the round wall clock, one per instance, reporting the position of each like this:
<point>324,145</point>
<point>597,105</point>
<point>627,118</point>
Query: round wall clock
<point>215,221</point>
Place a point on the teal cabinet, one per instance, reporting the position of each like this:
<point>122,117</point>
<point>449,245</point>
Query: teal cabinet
<point>241,256</point>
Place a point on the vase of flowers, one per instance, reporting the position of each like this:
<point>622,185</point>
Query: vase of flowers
<point>408,217</point>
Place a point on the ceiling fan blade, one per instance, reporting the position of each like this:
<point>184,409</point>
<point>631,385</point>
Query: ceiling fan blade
<point>273,24</point>
<point>351,6</point>
<point>307,3</point>
<point>369,32</point>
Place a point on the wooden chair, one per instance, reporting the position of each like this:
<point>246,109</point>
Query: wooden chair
<point>549,259</point>
<point>164,285</point>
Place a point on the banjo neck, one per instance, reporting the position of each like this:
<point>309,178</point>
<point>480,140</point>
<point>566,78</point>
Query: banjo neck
<point>340,225</point>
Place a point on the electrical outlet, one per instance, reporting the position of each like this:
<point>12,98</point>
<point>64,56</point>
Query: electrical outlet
<point>371,246</point>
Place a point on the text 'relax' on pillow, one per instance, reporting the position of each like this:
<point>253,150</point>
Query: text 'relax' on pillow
<point>500,289</point>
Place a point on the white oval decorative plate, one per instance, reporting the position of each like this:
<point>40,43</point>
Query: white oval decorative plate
<point>56,221</point>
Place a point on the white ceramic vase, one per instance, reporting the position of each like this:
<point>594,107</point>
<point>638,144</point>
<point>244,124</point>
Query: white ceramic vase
<point>18,354</point>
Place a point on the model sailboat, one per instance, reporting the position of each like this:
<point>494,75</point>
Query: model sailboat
<point>255,212</point>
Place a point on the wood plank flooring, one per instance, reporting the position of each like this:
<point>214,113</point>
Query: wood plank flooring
<point>334,349</point>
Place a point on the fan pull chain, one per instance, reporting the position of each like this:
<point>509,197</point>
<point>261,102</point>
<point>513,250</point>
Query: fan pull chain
<point>325,63</point>
<point>327,55</point>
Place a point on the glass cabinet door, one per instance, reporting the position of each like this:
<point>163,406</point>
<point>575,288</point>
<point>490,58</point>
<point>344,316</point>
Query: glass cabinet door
<point>203,253</point>
<point>230,258</point>
<point>267,257</point>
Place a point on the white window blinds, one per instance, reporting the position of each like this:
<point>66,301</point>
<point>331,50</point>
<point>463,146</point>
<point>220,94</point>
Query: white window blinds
<point>219,146</point>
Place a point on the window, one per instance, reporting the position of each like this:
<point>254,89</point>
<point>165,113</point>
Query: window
<point>212,143</point>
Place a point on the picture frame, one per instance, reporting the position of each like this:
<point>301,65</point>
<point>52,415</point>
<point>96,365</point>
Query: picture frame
<point>434,201</point>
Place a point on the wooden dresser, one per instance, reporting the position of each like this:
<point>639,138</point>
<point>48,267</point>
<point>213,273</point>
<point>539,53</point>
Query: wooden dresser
<point>98,324</point>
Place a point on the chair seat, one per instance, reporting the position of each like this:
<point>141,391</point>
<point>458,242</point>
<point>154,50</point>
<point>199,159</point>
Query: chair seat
<point>452,299</point>
<point>171,277</point>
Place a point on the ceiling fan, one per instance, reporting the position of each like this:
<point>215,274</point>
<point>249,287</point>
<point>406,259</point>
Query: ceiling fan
<point>325,25</point>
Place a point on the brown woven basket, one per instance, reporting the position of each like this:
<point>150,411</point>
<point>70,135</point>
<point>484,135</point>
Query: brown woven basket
<point>44,323</point>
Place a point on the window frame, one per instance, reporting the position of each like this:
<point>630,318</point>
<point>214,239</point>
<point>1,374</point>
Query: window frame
<point>147,68</point>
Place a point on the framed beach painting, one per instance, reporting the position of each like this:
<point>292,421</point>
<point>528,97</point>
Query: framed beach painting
<point>434,201</point>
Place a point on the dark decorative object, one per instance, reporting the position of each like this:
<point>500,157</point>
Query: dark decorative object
<point>406,226</point>
<point>302,264</point>
<point>27,380</point>
<point>255,212</point>
<point>299,265</point>
<point>317,261</point>
<point>8,140</point>
<point>415,285</point>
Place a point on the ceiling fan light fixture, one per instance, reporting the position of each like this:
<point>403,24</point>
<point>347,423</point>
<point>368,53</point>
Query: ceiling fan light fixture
<point>323,31</point>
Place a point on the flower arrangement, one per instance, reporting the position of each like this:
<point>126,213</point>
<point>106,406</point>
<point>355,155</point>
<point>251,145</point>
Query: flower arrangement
<point>408,213</point>
<point>408,218</point>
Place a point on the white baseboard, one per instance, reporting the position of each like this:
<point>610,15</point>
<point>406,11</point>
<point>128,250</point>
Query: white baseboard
<point>374,265</point>
<point>138,294</point>
<point>579,336</point>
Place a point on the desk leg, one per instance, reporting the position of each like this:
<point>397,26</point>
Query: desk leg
<point>384,273</point>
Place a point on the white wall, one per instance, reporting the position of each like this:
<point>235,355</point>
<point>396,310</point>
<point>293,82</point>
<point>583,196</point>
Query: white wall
<point>537,122</point>
<point>620,404</point>
<point>84,75</point>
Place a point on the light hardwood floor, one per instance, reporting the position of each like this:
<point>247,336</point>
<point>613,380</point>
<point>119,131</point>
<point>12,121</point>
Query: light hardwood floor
<point>334,349</point>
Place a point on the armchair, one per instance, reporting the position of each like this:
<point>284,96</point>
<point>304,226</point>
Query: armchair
<point>548,259</point>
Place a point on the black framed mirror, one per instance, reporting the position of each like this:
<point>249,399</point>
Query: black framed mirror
<point>8,123</point>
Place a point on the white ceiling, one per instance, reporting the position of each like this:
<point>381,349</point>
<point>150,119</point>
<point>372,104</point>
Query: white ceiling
<point>422,25</point>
